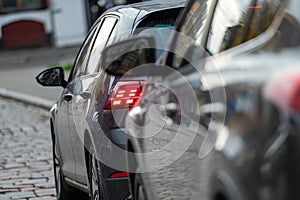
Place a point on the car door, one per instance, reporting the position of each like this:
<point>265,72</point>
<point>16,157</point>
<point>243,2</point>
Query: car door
<point>63,139</point>
<point>82,93</point>
<point>63,133</point>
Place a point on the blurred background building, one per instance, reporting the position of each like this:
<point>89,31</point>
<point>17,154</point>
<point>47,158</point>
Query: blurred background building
<point>32,23</point>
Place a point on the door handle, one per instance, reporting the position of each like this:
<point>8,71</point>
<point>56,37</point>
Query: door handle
<point>67,97</point>
<point>85,94</point>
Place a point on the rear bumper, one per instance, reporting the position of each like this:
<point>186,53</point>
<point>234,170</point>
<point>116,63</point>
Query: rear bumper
<point>118,188</point>
<point>113,152</point>
<point>118,137</point>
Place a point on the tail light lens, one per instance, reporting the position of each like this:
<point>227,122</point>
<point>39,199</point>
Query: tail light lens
<point>295,96</point>
<point>125,95</point>
<point>119,175</point>
<point>283,90</point>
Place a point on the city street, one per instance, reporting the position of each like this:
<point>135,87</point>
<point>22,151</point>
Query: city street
<point>26,155</point>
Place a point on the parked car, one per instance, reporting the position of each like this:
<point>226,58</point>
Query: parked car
<point>222,121</point>
<point>86,123</point>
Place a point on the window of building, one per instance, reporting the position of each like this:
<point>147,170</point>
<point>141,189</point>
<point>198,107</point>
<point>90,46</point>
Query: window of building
<point>7,6</point>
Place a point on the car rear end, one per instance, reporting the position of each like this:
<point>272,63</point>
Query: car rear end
<point>124,94</point>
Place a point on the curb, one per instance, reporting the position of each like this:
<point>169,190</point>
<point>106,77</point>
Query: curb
<point>26,98</point>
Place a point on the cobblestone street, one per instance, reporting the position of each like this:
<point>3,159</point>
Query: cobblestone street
<point>26,152</point>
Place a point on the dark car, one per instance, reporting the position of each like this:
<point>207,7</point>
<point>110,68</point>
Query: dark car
<point>221,120</point>
<point>88,119</point>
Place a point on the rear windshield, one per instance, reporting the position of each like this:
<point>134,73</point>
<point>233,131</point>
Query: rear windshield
<point>161,19</point>
<point>155,25</point>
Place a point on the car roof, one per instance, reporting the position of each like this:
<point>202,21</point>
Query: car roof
<point>147,7</point>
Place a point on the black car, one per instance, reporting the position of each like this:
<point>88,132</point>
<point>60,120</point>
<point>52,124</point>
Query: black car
<point>88,119</point>
<point>221,120</point>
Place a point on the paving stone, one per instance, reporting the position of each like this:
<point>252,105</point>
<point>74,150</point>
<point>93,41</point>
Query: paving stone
<point>26,153</point>
<point>31,181</point>
<point>44,185</point>
<point>43,198</point>
<point>28,189</point>
<point>13,165</point>
<point>2,191</point>
<point>19,195</point>
<point>12,180</point>
<point>45,192</point>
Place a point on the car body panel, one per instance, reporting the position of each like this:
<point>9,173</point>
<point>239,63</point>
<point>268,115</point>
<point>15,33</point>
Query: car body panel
<point>252,140</point>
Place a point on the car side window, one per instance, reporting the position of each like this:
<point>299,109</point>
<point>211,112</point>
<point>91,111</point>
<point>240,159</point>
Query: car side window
<point>236,22</point>
<point>100,42</point>
<point>82,57</point>
<point>192,28</point>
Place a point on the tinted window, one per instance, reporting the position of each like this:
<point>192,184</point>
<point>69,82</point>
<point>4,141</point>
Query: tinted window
<point>236,22</point>
<point>7,6</point>
<point>193,27</point>
<point>99,44</point>
<point>156,20</point>
<point>82,57</point>
<point>156,26</point>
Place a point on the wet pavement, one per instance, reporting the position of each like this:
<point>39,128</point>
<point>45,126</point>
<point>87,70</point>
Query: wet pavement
<point>26,152</point>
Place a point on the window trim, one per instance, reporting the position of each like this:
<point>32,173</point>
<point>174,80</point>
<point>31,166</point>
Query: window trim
<point>21,8</point>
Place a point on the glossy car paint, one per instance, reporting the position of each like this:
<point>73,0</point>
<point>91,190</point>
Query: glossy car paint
<point>256,146</point>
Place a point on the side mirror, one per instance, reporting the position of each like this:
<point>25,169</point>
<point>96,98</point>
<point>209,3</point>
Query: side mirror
<point>121,58</point>
<point>52,77</point>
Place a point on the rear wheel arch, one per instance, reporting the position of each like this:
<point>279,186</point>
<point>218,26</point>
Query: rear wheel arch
<point>90,152</point>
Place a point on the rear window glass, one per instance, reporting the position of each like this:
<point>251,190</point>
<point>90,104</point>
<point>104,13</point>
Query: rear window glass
<point>155,24</point>
<point>161,19</point>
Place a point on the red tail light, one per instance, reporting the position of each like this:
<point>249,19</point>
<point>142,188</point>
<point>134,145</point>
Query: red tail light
<point>119,175</point>
<point>283,90</point>
<point>295,96</point>
<point>125,95</point>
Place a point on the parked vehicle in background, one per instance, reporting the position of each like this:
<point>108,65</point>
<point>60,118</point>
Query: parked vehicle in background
<point>86,122</point>
<point>227,105</point>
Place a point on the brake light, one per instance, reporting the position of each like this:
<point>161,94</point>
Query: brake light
<point>283,90</point>
<point>295,96</point>
<point>125,95</point>
<point>119,175</point>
